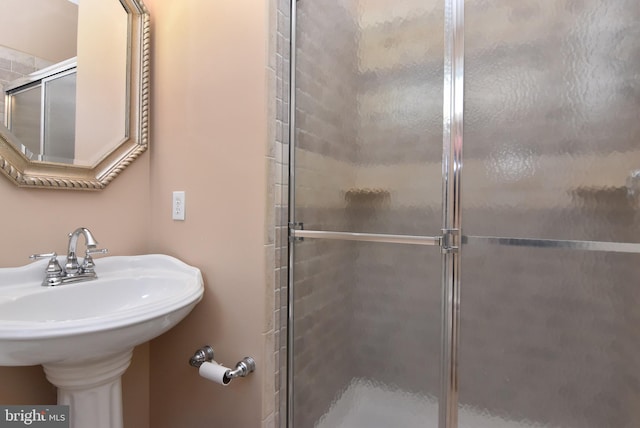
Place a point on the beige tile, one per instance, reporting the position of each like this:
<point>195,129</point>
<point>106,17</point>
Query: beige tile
<point>270,285</point>
<point>268,391</point>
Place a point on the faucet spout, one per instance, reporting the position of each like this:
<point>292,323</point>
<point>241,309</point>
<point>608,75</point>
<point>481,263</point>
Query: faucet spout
<point>73,238</point>
<point>72,267</point>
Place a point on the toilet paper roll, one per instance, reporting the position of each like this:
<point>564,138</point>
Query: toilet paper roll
<point>214,372</point>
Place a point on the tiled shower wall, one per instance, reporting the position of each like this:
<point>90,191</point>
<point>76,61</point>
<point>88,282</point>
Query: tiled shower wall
<point>281,29</point>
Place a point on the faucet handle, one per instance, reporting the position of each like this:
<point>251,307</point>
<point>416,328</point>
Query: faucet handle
<point>53,270</point>
<point>96,251</point>
<point>42,256</point>
<point>87,264</point>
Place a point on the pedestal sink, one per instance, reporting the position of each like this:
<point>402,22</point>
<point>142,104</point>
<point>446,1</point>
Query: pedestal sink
<point>84,333</point>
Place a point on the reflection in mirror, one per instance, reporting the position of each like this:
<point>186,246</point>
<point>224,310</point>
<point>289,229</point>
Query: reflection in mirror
<point>41,112</point>
<point>35,35</point>
<point>74,79</point>
<point>40,107</point>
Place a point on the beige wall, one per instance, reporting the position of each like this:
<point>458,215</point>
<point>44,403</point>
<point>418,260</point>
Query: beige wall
<point>209,135</point>
<point>42,28</point>
<point>208,138</point>
<point>102,29</point>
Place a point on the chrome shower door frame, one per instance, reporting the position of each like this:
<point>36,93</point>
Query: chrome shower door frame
<point>451,238</point>
<point>452,144</point>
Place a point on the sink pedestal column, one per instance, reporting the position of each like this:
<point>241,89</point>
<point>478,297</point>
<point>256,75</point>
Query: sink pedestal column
<point>91,389</point>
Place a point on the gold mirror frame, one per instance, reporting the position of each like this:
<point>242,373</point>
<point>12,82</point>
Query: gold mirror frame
<point>25,173</point>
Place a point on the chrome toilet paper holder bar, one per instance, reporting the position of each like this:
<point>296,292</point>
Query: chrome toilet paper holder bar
<point>206,354</point>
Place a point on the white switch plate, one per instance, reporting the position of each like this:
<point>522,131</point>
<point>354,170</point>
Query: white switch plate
<point>178,206</point>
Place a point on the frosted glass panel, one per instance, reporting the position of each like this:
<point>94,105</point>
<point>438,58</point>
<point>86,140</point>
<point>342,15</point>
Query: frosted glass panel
<point>60,119</point>
<point>26,115</point>
<point>549,338</point>
<point>368,149</point>
<point>552,96</point>
<point>367,335</point>
<point>369,84</point>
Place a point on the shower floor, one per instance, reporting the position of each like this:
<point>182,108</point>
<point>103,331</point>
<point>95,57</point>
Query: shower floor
<point>367,405</point>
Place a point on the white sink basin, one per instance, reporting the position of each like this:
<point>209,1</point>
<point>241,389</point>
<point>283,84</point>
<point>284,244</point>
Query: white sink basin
<point>87,329</point>
<point>133,300</point>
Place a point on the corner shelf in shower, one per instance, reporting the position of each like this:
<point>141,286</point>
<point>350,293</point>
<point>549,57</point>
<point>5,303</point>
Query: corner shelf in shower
<point>609,198</point>
<point>366,195</point>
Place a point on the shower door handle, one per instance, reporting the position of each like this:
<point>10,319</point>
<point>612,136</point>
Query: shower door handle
<point>368,237</point>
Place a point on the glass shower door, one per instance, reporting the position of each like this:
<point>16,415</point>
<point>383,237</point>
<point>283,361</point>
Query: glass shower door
<point>549,302</point>
<point>365,285</point>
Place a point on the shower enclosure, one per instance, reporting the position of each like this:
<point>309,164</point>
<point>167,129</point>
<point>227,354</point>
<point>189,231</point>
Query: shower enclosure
<point>40,110</point>
<point>494,288</point>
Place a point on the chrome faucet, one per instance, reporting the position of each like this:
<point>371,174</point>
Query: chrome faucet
<point>72,267</point>
<point>72,271</point>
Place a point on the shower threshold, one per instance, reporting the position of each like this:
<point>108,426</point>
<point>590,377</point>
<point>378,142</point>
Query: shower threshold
<point>365,404</point>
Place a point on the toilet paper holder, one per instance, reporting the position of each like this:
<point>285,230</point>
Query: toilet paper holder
<point>205,355</point>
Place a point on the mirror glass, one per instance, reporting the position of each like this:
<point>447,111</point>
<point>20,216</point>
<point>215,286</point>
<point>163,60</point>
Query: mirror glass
<point>75,52</point>
<point>73,75</point>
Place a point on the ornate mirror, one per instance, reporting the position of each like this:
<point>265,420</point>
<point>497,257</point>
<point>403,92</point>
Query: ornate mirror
<point>74,80</point>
